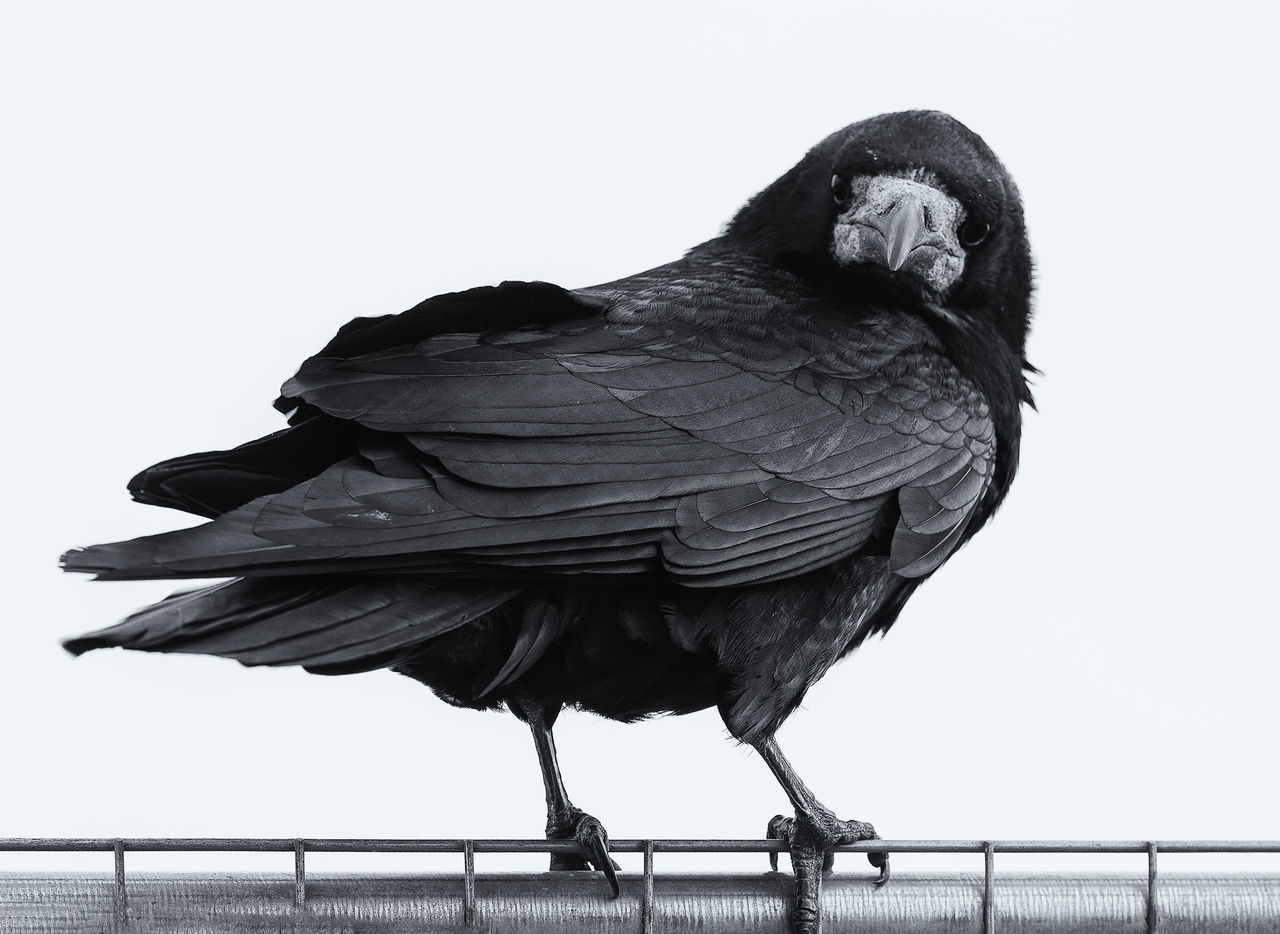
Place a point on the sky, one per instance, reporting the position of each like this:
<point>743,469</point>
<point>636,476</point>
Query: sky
<point>196,196</point>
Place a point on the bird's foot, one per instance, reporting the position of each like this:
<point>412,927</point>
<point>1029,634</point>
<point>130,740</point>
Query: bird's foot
<point>589,833</point>
<point>810,839</point>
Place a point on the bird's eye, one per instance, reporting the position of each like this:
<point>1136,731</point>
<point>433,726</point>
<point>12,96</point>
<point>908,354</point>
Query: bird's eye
<point>972,232</point>
<point>839,190</point>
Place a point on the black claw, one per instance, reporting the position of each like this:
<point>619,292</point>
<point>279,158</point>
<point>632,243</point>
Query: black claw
<point>778,829</point>
<point>595,846</point>
<point>881,862</point>
<point>599,855</point>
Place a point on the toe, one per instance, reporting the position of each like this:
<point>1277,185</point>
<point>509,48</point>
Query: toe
<point>590,834</point>
<point>804,920</point>
<point>780,828</point>
<point>854,831</point>
<point>881,862</point>
<point>601,861</point>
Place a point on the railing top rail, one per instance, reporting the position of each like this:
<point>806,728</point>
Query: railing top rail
<point>356,845</point>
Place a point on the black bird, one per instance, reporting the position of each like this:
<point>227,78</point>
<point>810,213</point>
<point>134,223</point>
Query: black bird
<point>699,485</point>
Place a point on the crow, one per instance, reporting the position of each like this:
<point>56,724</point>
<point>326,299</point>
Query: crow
<point>701,485</point>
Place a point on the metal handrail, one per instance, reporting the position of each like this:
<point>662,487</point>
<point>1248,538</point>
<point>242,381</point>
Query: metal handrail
<point>301,846</point>
<point>502,845</point>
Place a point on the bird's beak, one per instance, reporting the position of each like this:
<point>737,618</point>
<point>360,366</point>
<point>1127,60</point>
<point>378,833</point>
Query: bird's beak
<point>903,229</point>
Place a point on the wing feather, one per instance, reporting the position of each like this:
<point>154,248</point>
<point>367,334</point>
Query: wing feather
<point>588,447</point>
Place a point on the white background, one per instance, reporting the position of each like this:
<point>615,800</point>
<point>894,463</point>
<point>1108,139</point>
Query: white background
<point>197,195</point>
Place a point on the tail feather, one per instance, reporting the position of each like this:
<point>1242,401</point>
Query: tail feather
<point>314,622</point>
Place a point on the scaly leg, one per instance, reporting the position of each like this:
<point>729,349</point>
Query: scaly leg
<point>564,820</point>
<point>810,835</point>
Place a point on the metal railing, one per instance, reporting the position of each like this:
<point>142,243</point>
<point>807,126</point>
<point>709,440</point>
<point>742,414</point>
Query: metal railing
<point>300,847</point>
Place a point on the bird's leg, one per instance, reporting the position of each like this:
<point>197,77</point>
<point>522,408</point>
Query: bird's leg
<point>564,820</point>
<point>810,835</point>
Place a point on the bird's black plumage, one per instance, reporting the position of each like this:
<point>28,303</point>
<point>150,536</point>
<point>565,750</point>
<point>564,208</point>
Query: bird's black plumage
<point>699,485</point>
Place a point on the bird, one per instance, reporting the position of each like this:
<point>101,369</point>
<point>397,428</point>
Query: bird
<point>698,486</point>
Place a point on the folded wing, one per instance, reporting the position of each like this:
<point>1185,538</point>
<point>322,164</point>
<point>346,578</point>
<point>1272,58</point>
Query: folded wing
<point>584,448</point>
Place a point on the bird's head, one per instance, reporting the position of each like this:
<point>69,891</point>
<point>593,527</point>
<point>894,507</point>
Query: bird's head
<point>913,202</point>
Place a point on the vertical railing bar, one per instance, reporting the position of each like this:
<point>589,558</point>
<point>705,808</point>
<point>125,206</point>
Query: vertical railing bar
<point>468,883</point>
<point>1153,911</point>
<point>299,874</point>
<point>646,907</point>
<point>122,914</point>
<point>988,888</point>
